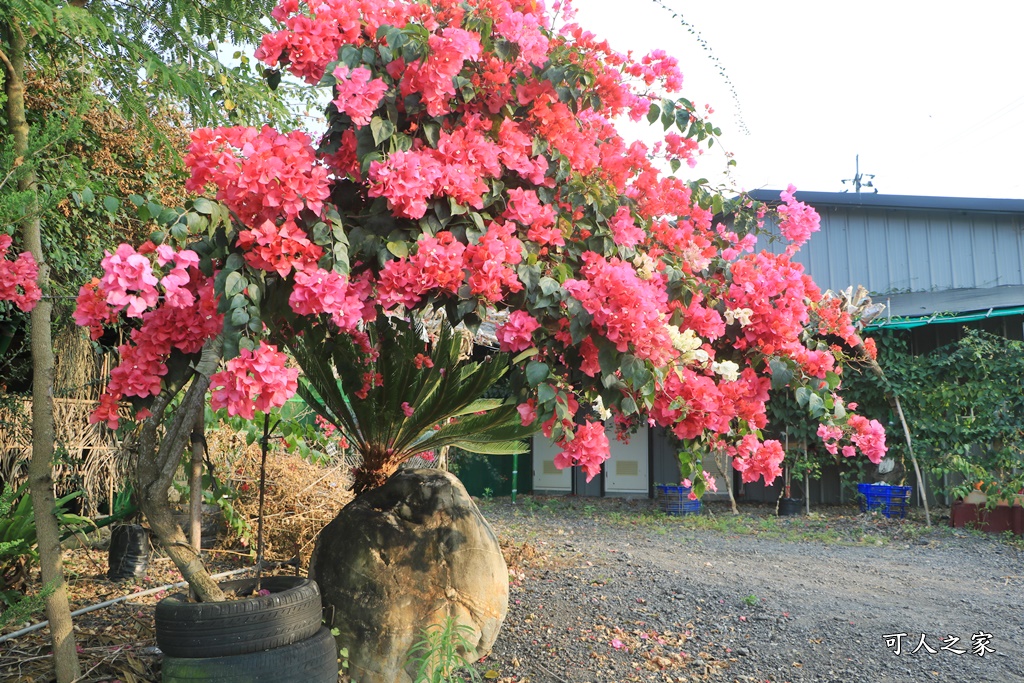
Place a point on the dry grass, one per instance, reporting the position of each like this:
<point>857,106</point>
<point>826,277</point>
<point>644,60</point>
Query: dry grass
<point>302,497</point>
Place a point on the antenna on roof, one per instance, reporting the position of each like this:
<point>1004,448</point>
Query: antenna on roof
<point>860,180</point>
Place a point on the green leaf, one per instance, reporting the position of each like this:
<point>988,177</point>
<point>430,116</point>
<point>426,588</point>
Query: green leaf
<point>781,373</point>
<point>321,233</point>
<point>628,406</point>
<point>682,119</point>
<point>653,113</point>
<point>167,216</point>
<point>528,353</point>
<point>382,129</point>
<point>494,448</point>
<point>549,285</point>
<point>234,262</point>
<point>529,276</point>
<point>803,395</point>
<point>432,133</point>
<point>399,249</point>
<point>815,405</point>
<point>203,205</point>
<point>536,372</point>
<point>234,284</point>
<point>111,204</point>
<point>341,262</point>
<point>635,370</point>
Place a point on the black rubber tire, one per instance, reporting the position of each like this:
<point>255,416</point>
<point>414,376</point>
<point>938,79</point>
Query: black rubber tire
<point>291,613</point>
<point>313,660</point>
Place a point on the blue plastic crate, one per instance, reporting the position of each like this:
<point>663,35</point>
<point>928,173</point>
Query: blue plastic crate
<point>891,501</point>
<point>675,500</point>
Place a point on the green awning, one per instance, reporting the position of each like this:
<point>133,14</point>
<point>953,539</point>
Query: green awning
<point>907,323</point>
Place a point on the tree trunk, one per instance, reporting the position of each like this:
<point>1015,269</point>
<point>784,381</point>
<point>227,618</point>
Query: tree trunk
<point>195,484</point>
<point>65,656</point>
<point>369,477</point>
<point>156,468</point>
<point>724,466</point>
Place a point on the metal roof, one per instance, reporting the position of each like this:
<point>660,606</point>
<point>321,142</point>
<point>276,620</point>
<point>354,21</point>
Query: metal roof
<point>921,256</point>
<point>899,201</point>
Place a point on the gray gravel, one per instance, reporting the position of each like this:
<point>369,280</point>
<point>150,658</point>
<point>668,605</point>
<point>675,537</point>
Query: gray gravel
<point>616,592</point>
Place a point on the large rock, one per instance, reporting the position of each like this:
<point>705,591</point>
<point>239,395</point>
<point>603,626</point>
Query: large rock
<point>401,558</point>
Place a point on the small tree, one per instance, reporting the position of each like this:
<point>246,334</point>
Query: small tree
<point>471,163</point>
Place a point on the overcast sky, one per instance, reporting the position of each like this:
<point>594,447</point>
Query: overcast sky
<point>930,94</point>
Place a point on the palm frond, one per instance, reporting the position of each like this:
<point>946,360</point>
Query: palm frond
<point>408,406</point>
<point>497,448</point>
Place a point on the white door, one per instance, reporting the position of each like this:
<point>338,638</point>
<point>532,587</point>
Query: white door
<point>626,471</point>
<point>547,477</point>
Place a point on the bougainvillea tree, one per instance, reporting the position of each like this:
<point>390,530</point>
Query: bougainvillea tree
<point>471,162</point>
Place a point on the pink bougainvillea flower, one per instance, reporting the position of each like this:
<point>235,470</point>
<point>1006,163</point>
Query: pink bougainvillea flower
<point>92,309</point>
<point>517,333</point>
<point>799,221</point>
<point>588,448</point>
<point>259,174</point>
<point>254,380</point>
<point>437,266</point>
<point>527,412</point>
<point>356,94</point>
<point>128,281</point>
<point>320,291</point>
<point>869,437</point>
<point>18,277</point>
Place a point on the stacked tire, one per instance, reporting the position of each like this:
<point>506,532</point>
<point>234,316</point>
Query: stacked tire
<point>272,638</point>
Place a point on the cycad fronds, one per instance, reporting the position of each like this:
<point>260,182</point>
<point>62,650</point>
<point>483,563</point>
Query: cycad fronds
<point>405,400</point>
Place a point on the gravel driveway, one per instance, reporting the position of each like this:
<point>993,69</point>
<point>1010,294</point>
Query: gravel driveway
<point>607,590</point>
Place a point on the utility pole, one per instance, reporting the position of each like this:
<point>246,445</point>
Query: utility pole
<point>860,180</point>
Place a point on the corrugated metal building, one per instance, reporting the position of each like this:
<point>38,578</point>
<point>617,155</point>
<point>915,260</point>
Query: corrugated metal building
<point>936,262</point>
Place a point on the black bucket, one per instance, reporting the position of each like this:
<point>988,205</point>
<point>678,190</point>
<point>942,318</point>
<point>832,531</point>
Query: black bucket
<point>789,507</point>
<point>128,556</point>
<point>212,525</point>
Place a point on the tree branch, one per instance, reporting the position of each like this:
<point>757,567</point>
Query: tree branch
<point>7,64</point>
<point>156,468</point>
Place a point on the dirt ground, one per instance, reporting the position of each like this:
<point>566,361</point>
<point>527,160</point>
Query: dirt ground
<point>609,591</point>
<point>616,591</point>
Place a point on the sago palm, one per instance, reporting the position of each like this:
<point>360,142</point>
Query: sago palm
<point>406,397</point>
